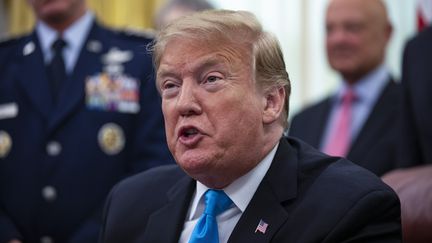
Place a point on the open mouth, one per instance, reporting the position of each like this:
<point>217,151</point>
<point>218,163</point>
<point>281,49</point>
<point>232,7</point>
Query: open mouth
<point>188,132</point>
<point>189,136</point>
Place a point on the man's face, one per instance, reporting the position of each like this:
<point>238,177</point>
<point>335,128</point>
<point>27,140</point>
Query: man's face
<point>356,37</point>
<point>212,108</point>
<point>57,10</point>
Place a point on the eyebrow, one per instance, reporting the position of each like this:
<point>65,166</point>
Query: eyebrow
<point>205,63</point>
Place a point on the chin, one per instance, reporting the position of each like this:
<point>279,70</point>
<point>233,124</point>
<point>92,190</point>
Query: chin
<point>194,163</point>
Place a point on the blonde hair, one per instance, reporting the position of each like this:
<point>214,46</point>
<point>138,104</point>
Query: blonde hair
<point>239,27</point>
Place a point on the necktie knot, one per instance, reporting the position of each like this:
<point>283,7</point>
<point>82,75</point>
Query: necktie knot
<point>216,202</point>
<point>58,45</point>
<point>349,96</point>
<point>206,229</point>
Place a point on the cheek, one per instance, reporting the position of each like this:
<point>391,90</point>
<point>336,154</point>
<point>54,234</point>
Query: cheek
<point>240,116</point>
<point>169,120</point>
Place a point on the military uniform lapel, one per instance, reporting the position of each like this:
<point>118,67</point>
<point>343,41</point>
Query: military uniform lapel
<point>265,213</point>
<point>32,75</point>
<point>166,224</point>
<point>72,93</point>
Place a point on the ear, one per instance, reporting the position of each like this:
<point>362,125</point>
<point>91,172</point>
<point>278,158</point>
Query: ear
<point>274,102</point>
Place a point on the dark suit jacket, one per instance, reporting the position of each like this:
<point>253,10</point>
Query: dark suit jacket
<point>375,146</point>
<point>417,96</point>
<point>305,197</point>
<point>79,174</point>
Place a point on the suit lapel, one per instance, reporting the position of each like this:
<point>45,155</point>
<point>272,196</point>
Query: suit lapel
<point>278,186</point>
<point>320,122</point>
<point>32,75</point>
<point>376,123</point>
<point>72,93</point>
<point>166,224</point>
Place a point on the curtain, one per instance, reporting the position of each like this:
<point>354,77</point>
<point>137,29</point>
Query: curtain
<point>136,14</point>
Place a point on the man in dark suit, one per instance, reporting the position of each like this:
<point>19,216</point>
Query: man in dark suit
<point>64,142</point>
<point>238,179</point>
<point>357,34</point>
<point>417,86</point>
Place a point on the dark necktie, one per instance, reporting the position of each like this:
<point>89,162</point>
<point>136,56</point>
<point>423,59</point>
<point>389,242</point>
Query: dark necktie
<point>206,230</point>
<point>56,68</point>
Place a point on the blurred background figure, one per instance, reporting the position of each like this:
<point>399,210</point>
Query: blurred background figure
<point>172,9</point>
<point>414,185</point>
<point>416,145</point>
<point>79,111</point>
<point>357,121</point>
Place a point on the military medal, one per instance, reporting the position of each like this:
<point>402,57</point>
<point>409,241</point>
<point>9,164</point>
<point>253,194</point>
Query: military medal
<point>112,90</point>
<point>111,138</point>
<point>5,144</point>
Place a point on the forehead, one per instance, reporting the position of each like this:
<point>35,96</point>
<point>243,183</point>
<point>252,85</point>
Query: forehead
<point>349,10</point>
<point>189,53</point>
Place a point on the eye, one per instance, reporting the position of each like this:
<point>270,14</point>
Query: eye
<point>169,89</point>
<point>354,27</point>
<point>168,85</point>
<point>212,79</point>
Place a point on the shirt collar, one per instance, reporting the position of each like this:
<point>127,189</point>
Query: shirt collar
<point>240,194</point>
<point>368,88</point>
<point>74,35</point>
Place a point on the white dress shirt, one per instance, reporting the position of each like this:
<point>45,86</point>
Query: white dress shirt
<point>240,192</point>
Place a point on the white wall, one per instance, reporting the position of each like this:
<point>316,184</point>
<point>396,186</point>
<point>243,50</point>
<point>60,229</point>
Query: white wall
<point>299,25</point>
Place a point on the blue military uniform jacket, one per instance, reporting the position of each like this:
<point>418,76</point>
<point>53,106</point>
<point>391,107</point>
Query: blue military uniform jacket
<point>59,160</point>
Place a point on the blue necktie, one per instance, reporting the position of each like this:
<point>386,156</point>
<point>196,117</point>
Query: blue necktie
<point>206,230</point>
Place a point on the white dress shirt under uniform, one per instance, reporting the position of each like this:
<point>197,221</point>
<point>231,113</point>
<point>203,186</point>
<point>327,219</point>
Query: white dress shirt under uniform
<point>240,192</point>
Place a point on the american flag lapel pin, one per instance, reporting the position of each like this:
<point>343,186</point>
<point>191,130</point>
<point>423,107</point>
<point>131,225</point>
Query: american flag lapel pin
<point>261,227</point>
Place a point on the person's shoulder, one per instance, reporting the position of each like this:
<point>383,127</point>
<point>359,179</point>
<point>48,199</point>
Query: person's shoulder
<point>11,48</point>
<point>347,182</point>
<point>131,34</point>
<point>421,41</point>
<point>313,108</point>
<point>308,116</point>
<point>332,173</point>
<point>10,42</point>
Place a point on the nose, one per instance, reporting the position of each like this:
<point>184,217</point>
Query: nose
<point>188,103</point>
<point>336,36</point>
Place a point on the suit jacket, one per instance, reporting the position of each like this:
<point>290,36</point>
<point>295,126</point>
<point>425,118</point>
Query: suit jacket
<point>305,197</point>
<point>58,162</point>
<point>417,100</point>
<point>375,146</point>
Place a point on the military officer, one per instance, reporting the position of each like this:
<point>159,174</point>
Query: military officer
<point>75,117</point>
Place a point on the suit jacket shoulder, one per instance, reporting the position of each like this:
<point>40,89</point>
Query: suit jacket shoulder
<point>330,200</point>
<point>140,198</point>
<point>310,123</point>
